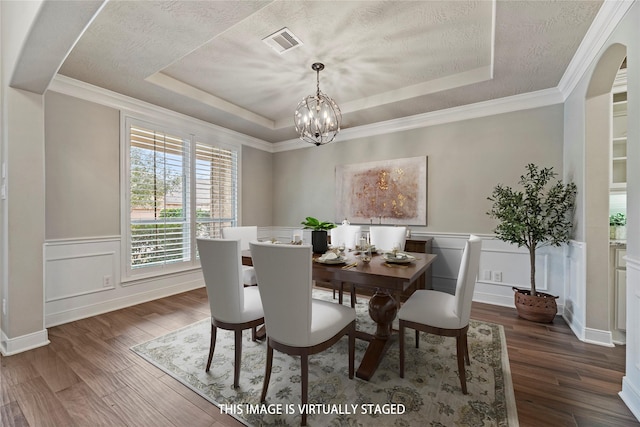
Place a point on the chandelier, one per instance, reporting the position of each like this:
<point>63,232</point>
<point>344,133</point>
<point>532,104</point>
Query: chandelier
<point>317,117</point>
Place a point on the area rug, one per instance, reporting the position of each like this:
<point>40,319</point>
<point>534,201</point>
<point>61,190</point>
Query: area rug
<point>429,395</point>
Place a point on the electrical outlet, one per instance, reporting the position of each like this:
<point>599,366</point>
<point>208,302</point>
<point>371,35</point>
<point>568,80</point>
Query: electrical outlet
<point>486,274</point>
<point>106,281</point>
<point>4,306</point>
<point>497,276</point>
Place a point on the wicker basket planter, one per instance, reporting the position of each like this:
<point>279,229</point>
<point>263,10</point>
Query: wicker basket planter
<point>540,308</point>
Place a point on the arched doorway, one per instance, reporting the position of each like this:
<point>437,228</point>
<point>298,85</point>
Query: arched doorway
<point>598,124</point>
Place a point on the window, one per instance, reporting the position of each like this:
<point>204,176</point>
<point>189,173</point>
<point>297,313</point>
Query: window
<point>167,208</point>
<point>216,192</point>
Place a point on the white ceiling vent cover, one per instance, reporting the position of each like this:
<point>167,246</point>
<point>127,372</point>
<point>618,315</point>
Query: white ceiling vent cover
<point>282,41</point>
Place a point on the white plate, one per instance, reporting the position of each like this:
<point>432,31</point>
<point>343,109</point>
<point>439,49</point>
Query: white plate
<point>331,261</point>
<point>389,257</point>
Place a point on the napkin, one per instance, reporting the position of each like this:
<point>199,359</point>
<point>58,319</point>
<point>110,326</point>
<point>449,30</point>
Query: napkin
<point>328,256</point>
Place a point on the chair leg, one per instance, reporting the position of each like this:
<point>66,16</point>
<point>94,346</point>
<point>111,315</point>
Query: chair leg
<point>340,293</point>
<point>401,341</point>
<point>267,372</point>
<point>466,349</point>
<point>212,346</point>
<point>461,370</point>
<point>352,351</point>
<point>304,368</point>
<point>238,358</point>
<point>353,296</point>
<point>417,338</point>
<point>253,333</point>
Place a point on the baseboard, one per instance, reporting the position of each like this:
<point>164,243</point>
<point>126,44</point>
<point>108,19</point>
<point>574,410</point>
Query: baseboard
<point>85,311</point>
<point>630,396</point>
<point>11,346</point>
<point>598,337</point>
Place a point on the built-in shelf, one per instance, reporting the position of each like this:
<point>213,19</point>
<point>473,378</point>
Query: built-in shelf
<point>618,172</point>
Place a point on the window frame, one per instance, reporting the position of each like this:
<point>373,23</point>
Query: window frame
<point>194,134</point>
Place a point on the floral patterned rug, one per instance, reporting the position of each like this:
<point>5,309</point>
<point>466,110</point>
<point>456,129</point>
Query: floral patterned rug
<point>429,395</point>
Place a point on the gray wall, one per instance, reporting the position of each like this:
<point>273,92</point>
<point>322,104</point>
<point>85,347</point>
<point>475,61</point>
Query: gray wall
<point>82,164</point>
<point>82,168</point>
<point>257,185</point>
<point>466,159</point>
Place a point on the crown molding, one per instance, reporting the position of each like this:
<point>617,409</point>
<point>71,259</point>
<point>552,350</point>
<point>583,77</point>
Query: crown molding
<point>605,22</point>
<point>78,89</point>
<point>493,107</point>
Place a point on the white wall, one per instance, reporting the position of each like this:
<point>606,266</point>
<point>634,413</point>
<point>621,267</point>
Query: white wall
<point>585,302</point>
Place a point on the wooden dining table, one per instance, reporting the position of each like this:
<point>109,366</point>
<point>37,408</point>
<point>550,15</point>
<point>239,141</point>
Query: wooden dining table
<point>388,281</point>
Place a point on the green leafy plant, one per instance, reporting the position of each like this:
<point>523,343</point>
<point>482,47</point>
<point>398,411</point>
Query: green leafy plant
<point>618,220</point>
<point>540,214</point>
<point>314,224</point>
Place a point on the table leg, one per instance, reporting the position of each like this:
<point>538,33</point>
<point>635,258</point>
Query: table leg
<point>382,309</point>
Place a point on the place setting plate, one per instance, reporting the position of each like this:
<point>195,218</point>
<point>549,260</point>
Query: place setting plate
<point>399,258</point>
<point>325,260</point>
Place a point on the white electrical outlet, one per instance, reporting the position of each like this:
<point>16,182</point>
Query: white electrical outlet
<point>106,281</point>
<point>497,276</point>
<point>4,306</point>
<point>486,274</point>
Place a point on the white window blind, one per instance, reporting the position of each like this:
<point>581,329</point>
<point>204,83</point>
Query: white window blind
<point>177,189</point>
<point>159,194</point>
<point>216,194</point>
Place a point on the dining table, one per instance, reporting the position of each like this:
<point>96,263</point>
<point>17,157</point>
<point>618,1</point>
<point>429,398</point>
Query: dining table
<point>387,280</point>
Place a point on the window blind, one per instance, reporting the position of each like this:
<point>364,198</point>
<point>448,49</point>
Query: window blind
<point>216,194</point>
<point>159,192</point>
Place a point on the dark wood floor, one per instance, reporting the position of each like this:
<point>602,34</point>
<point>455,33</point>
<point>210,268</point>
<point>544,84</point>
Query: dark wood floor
<point>88,376</point>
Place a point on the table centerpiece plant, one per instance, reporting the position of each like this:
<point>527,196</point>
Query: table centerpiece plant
<point>541,214</point>
<point>318,233</point>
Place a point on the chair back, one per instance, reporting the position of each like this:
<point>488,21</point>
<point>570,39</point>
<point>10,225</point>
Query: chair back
<point>284,277</point>
<point>246,234</point>
<point>467,278</point>
<point>385,237</point>
<point>345,234</point>
<point>222,270</point>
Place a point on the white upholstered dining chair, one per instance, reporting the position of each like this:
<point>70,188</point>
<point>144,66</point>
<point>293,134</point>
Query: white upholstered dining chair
<point>386,237</point>
<point>296,323</point>
<point>233,306</point>
<point>345,234</point>
<point>441,313</point>
<point>246,234</point>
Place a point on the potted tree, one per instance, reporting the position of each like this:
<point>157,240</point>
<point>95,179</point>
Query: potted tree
<point>540,214</point>
<point>318,233</point>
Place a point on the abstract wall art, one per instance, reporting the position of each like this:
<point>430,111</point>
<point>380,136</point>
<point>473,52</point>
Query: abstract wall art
<point>385,192</point>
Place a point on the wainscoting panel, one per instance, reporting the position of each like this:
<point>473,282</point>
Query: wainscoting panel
<point>630,393</point>
<point>80,275</point>
<point>575,299</point>
<point>82,279</point>
<point>502,266</point>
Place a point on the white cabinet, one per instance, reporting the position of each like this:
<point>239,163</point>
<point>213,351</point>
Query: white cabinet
<point>620,288</point>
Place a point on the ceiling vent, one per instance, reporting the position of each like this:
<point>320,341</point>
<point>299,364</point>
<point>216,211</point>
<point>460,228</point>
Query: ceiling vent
<point>282,41</point>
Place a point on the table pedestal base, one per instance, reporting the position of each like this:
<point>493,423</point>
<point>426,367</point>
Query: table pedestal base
<point>383,309</point>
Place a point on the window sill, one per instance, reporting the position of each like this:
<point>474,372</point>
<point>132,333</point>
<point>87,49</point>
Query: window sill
<point>157,275</point>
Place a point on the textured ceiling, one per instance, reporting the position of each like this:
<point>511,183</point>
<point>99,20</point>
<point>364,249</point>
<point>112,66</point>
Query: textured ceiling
<point>384,59</point>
